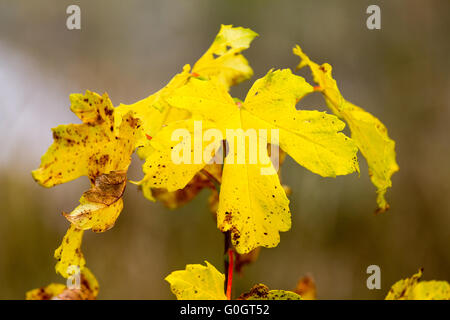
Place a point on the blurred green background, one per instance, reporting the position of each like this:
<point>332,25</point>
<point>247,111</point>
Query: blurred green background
<point>130,49</point>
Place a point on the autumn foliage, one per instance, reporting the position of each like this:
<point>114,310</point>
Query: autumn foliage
<point>251,208</point>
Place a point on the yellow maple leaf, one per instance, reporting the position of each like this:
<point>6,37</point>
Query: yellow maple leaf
<point>253,206</point>
<point>413,289</point>
<point>369,133</point>
<point>94,149</point>
<point>197,282</point>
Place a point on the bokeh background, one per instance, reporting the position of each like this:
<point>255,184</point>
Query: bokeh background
<point>130,49</point>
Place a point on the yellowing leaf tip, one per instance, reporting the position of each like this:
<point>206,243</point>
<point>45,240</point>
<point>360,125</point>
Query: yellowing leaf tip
<point>242,31</point>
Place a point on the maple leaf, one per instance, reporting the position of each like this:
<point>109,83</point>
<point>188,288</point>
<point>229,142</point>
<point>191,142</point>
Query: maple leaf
<point>198,282</point>
<point>222,62</point>
<point>56,291</point>
<point>94,149</point>
<point>262,292</point>
<point>413,289</point>
<point>252,205</point>
<point>367,131</point>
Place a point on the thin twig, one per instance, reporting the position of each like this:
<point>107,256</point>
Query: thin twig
<point>226,259</point>
<point>230,273</point>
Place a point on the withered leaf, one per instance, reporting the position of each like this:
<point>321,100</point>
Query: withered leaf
<point>108,188</point>
<point>95,148</point>
<point>101,205</point>
<point>253,206</point>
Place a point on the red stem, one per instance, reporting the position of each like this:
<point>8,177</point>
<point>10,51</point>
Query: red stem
<point>230,273</point>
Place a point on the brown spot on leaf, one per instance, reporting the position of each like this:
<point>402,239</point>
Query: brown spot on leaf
<point>108,188</point>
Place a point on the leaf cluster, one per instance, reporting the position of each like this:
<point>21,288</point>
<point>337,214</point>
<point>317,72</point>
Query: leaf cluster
<point>252,207</point>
